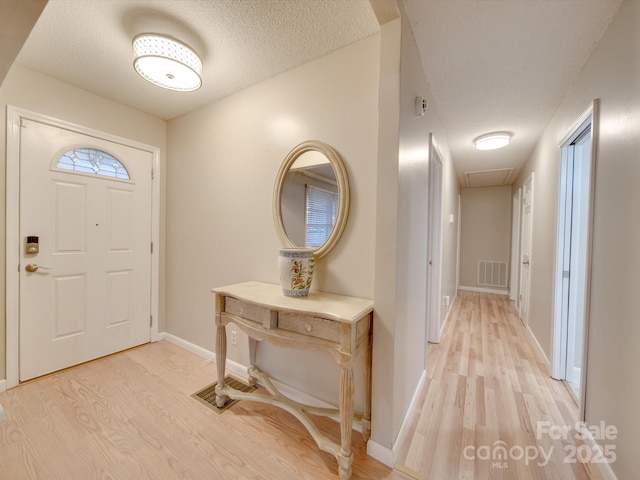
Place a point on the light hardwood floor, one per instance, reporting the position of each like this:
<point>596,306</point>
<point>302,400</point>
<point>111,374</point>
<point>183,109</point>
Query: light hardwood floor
<point>130,416</point>
<point>487,383</point>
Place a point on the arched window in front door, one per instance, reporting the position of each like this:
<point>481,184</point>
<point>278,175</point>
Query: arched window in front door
<point>93,161</point>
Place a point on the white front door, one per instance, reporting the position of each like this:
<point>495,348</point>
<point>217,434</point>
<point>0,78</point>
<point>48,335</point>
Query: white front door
<point>525,263</point>
<point>87,293</point>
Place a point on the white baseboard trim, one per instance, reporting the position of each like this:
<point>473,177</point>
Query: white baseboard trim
<point>596,449</point>
<point>484,290</point>
<point>446,317</point>
<point>390,456</point>
<point>188,346</point>
<point>540,349</point>
<point>240,372</point>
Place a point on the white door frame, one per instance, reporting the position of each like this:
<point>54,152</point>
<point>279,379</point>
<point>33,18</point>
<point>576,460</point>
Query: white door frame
<point>558,354</point>
<point>13,241</point>
<point>514,286</point>
<point>434,249</point>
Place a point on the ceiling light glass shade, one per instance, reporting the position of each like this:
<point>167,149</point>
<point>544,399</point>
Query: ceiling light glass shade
<point>491,141</point>
<point>166,62</point>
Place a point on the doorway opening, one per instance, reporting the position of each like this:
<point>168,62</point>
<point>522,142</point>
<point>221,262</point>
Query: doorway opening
<point>573,258</point>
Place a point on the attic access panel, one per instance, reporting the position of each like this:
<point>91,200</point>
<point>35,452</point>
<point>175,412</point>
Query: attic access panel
<point>488,178</point>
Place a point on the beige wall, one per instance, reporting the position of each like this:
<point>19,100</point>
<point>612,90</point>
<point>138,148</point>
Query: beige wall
<point>410,342</point>
<point>32,91</point>
<point>222,164</point>
<point>386,238</point>
<point>486,230</point>
<point>450,201</point>
<point>612,74</point>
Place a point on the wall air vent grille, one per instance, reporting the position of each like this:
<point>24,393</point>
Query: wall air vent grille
<point>492,274</point>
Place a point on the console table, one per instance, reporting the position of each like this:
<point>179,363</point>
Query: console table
<point>339,325</point>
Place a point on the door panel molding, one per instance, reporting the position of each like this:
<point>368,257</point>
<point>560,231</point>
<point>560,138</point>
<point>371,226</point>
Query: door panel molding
<point>15,116</point>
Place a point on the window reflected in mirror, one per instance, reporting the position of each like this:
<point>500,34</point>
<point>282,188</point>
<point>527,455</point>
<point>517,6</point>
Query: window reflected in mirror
<point>321,212</point>
<point>310,200</point>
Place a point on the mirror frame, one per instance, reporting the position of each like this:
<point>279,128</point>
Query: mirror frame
<point>342,180</point>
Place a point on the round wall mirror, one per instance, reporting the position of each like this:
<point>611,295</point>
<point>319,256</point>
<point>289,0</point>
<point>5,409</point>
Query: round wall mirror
<point>311,198</point>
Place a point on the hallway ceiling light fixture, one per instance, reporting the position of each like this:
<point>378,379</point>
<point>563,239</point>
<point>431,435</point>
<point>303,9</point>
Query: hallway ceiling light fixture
<point>166,62</point>
<point>491,141</point>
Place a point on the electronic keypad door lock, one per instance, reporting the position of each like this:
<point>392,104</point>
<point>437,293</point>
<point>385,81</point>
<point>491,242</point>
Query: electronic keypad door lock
<point>32,246</point>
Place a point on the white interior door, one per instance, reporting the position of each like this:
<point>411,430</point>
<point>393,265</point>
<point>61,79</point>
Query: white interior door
<point>525,251</point>
<point>434,254</point>
<point>87,293</point>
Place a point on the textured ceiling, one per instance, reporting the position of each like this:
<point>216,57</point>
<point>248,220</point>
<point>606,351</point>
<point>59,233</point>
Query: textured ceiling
<point>503,65</point>
<point>491,64</point>
<point>87,43</point>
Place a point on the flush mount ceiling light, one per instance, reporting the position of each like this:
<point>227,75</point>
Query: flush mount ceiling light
<point>166,62</point>
<point>491,141</point>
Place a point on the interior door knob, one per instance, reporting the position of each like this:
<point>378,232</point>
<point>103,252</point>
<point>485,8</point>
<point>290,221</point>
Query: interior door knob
<point>33,267</point>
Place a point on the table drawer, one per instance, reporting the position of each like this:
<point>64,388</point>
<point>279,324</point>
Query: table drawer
<point>311,326</point>
<point>247,310</point>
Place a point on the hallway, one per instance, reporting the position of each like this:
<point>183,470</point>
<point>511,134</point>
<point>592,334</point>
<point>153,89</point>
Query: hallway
<point>487,386</point>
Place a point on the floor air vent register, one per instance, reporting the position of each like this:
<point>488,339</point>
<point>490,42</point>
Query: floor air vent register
<point>207,396</point>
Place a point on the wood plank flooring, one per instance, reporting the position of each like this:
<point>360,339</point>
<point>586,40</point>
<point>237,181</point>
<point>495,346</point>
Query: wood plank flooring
<point>487,386</point>
<point>130,416</point>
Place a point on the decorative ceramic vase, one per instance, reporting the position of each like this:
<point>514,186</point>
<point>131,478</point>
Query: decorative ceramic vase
<point>295,266</point>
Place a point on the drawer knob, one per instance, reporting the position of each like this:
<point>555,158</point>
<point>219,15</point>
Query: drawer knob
<point>308,327</point>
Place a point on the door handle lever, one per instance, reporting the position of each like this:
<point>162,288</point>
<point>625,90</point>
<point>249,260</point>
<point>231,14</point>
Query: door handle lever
<point>33,267</point>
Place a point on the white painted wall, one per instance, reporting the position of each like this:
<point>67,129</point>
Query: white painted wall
<point>611,74</point>
<point>39,93</point>
<point>486,230</point>
<point>222,164</point>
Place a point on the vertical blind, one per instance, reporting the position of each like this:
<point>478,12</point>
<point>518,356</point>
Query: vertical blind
<point>321,211</point>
